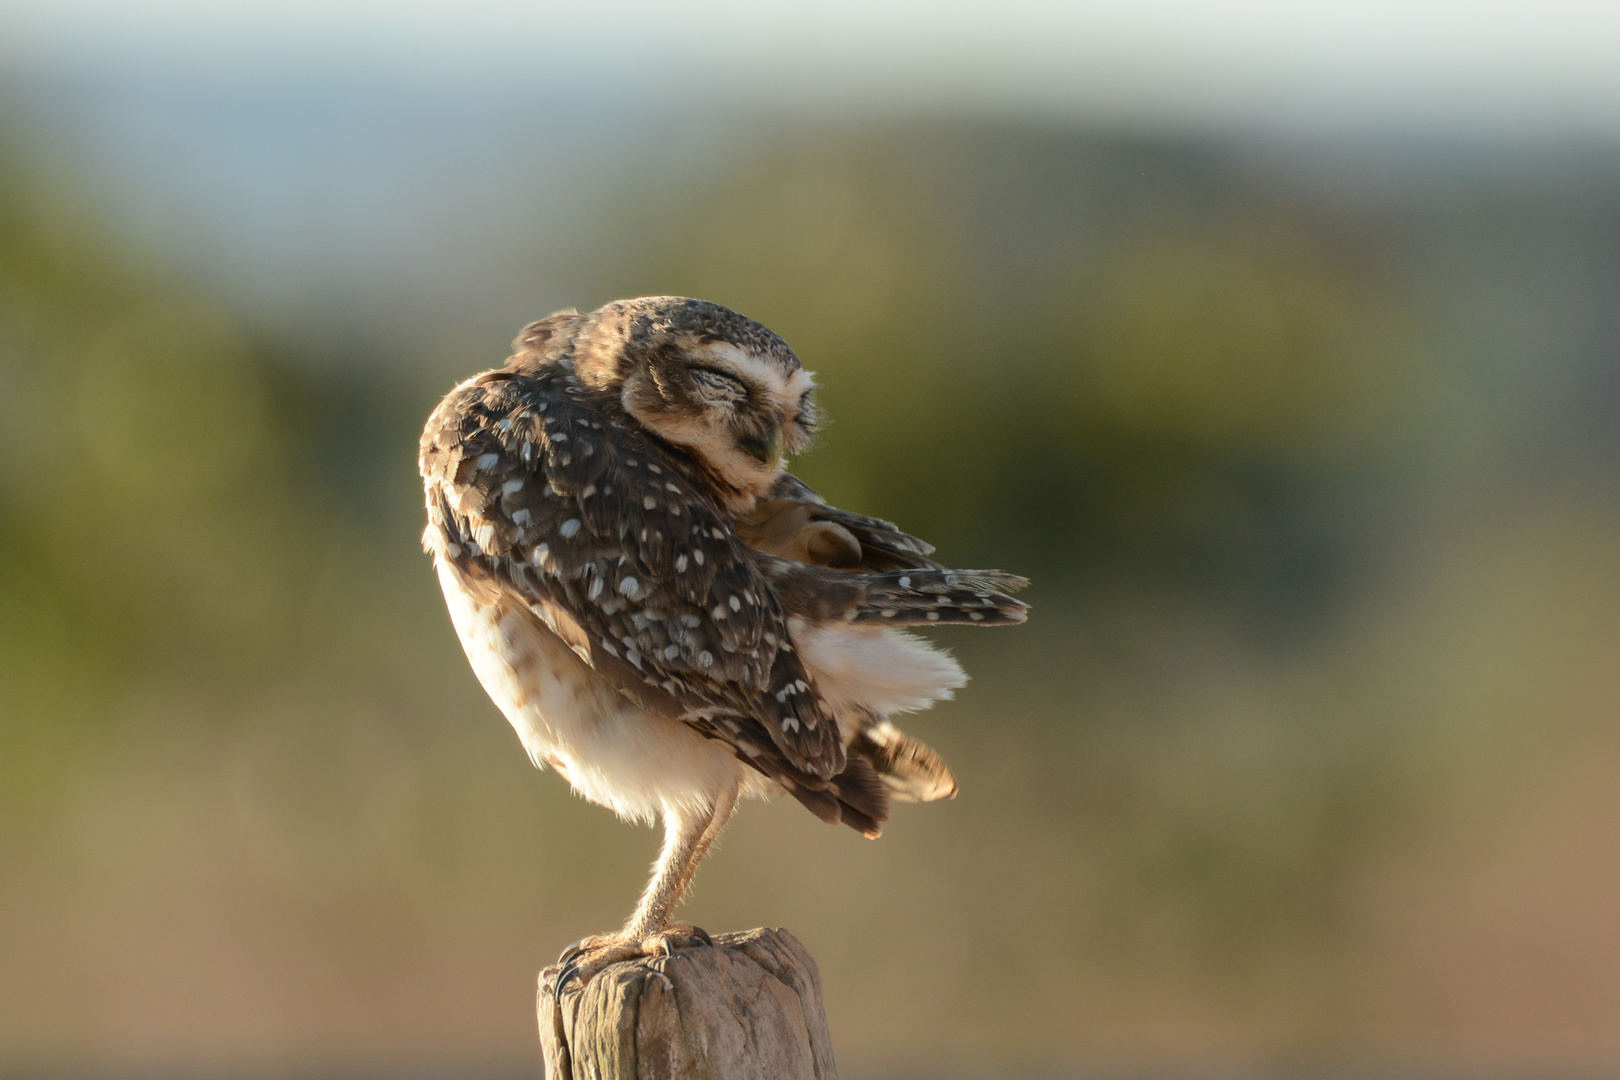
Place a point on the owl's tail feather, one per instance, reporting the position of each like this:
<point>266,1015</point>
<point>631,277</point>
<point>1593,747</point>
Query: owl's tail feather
<point>855,797</point>
<point>910,769</point>
<point>920,597</point>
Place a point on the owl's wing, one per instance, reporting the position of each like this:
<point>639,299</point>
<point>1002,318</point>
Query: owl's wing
<point>796,523</point>
<point>897,598</point>
<point>633,565</point>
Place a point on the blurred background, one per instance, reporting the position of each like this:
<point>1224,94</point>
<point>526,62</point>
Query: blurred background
<point>1279,344</point>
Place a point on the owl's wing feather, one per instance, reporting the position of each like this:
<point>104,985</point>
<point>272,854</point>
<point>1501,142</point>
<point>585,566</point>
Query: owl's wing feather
<point>597,528</point>
<point>897,598</point>
<point>880,545</point>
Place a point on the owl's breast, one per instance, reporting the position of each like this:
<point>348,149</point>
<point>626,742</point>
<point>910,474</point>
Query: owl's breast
<point>612,752</point>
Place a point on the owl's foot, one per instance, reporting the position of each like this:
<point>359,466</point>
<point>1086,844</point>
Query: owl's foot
<point>582,960</point>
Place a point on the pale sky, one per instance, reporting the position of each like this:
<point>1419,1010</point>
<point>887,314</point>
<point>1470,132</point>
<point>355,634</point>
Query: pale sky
<point>1547,65</point>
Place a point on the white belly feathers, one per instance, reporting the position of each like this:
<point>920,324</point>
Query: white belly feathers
<point>639,763</point>
<point>634,762</point>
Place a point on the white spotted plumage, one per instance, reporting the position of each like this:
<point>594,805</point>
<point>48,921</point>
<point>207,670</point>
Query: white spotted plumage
<point>663,614</point>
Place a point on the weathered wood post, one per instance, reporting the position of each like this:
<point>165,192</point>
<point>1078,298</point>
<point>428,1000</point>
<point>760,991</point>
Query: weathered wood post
<point>747,1009</point>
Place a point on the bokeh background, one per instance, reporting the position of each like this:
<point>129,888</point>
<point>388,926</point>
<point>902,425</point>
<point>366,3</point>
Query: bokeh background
<point>1279,345</point>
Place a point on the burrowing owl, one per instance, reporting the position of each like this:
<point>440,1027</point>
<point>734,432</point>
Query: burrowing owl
<point>667,617</point>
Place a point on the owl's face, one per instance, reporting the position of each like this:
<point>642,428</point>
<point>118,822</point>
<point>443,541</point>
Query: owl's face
<point>735,410</point>
<point>706,379</point>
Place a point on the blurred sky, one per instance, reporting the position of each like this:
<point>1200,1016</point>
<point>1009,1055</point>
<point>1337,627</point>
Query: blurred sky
<point>1503,66</point>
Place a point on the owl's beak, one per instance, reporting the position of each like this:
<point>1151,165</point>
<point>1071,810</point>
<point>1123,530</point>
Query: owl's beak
<point>765,449</point>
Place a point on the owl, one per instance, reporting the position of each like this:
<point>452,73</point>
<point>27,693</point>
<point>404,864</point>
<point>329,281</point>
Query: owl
<point>667,617</point>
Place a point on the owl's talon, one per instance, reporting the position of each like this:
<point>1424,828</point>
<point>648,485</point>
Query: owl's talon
<point>682,936</point>
<point>577,961</point>
<point>584,959</point>
<point>569,970</point>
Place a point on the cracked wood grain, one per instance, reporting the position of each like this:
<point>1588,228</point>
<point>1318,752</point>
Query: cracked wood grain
<point>749,1008</point>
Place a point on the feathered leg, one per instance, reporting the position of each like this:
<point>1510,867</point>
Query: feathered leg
<point>719,815</point>
<point>686,840</point>
<point>649,932</point>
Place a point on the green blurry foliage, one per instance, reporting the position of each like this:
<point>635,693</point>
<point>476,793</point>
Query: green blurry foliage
<point>1077,358</point>
<point>1245,337</point>
<point>161,500</point>
<point>170,406</point>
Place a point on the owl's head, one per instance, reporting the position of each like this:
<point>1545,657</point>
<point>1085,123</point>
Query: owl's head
<point>701,376</point>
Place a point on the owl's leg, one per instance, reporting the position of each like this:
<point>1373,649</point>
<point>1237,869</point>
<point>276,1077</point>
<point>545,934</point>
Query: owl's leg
<point>719,816</point>
<point>687,838</point>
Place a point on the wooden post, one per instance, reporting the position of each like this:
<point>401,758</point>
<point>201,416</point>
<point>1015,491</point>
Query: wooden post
<point>747,1009</point>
